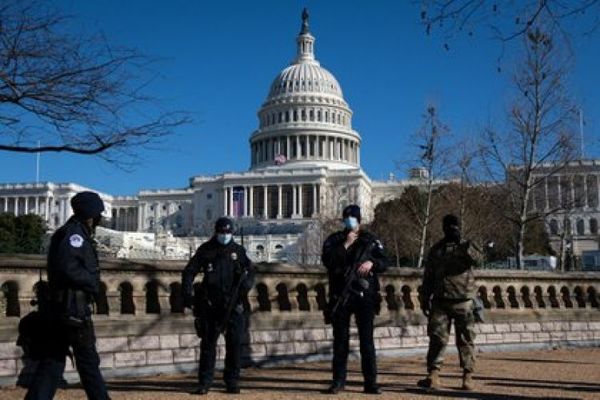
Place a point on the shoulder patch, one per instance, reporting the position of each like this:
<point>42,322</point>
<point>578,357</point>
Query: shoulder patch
<point>379,244</point>
<point>76,240</point>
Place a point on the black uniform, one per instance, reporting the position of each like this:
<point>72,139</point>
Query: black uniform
<point>338,259</point>
<point>222,265</point>
<point>73,278</point>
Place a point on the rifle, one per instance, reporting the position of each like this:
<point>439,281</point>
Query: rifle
<point>235,294</point>
<point>350,278</point>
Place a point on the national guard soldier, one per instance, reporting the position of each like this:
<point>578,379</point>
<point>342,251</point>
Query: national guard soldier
<point>73,279</point>
<point>228,275</point>
<point>353,258</point>
<point>447,295</point>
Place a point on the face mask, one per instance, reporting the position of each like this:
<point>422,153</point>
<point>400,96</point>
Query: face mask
<point>350,223</point>
<point>452,234</point>
<point>224,238</point>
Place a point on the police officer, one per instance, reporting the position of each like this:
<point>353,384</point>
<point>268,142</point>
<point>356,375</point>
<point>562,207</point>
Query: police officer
<point>353,248</point>
<point>226,270</point>
<point>73,279</point>
<point>447,295</point>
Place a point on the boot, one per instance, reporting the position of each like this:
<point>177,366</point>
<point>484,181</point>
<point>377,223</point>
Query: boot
<point>432,381</point>
<point>468,383</point>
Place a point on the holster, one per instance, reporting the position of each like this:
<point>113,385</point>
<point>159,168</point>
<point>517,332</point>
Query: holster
<point>74,307</point>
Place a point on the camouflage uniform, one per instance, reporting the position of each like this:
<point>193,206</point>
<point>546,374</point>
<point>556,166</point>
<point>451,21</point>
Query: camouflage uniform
<point>449,284</point>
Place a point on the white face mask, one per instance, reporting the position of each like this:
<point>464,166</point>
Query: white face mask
<point>224,238</point>
<point>350,223</point>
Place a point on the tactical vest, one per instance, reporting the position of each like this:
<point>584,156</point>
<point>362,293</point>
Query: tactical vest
<point>454,277</point>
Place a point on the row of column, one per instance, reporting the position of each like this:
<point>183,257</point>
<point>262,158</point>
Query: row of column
<point>573,199</point>
<point>306,147</point>
<point>243,205</point>
<point>125,218</point>
<point>39,205</point>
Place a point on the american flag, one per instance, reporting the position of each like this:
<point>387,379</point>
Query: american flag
<point>280,159</point>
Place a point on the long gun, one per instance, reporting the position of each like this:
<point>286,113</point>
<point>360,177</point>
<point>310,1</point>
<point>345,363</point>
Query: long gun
<point>235,294</point>
<point>350,277</point>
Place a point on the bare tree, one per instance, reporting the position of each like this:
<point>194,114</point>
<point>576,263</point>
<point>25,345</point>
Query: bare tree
<point>433,161</point>
<point>540,136</point>
<point>72,92</point>
<point>508,20</point>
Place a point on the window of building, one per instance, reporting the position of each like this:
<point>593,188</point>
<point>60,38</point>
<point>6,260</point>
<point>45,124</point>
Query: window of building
<point>553,227</point>
<point>593,226</point>
<point>209,196</point>
<point>580,227</point>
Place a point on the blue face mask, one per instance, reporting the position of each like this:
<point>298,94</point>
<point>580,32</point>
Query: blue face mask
<point>350,223</point>
<point>224,238</point>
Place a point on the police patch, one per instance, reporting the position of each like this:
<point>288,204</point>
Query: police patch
<point>234,256</point>
<point>379,244</point>
<point>76,240</point>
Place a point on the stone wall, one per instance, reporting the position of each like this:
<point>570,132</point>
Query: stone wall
<point>142,329</point>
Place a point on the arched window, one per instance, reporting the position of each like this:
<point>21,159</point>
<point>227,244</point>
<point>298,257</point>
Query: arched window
<point>553,227</point>
<point>593,226</point>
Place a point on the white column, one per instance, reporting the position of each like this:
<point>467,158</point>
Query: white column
<point>230,201</point>
<point>140,213</point>
<point>225,195</point>
<point>279,202</point>
<point>287,147</point>
<point>300,212</point>
<point>265,202</point>
<point>331,152</point>
<point>298,148</point>
<point>572,183</point>
<point>36,210</point>
<point>251,202</point>
<point>6,204</point>
<point>245,201</point>
<point>47,210</point>
<point>314,207</point>
<point>357,153</point>
<point>16,205</point>
<point>294,200</point>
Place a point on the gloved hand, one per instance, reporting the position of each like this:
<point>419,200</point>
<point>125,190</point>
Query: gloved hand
<point>426,308</point>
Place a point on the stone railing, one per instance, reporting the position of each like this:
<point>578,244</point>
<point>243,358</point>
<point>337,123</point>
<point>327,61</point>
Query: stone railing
<point>142,328</point>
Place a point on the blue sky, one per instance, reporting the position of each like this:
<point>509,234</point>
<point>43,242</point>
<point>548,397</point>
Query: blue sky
<point>219,58</point>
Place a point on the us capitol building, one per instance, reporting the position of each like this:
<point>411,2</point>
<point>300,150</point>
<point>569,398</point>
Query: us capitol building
<point>304,167</point>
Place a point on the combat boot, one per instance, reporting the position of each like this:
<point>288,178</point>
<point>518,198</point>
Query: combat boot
<point>432,381</point>
<point>468,383</point>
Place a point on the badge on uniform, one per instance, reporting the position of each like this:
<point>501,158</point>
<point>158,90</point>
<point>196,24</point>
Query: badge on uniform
<point>234,256</point>
<point>209,267</point>
<point>76,240</point>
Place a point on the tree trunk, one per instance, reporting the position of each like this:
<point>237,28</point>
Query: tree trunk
<point>425,225</point>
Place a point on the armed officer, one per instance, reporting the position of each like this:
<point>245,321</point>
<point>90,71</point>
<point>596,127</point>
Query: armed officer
<point>73,279</point>
<point>228,275</point>
<point>353,258</point>
<point>447,295</point>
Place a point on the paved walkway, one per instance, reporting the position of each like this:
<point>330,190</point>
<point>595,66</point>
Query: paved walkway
<point>552,374</point>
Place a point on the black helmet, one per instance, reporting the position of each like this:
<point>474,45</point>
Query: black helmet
<point>87,205</point>
<point>352,211</point>
<point>224,225</point>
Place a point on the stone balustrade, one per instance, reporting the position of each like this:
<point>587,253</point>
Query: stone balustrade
<point>142,327</point>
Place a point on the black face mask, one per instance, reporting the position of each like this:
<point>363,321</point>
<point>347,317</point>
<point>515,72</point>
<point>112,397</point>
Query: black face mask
<point>452,233</point>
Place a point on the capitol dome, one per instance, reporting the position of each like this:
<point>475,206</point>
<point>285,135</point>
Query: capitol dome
<point>305,119</point>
